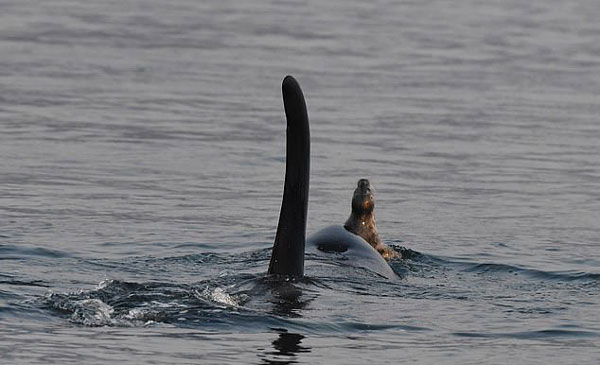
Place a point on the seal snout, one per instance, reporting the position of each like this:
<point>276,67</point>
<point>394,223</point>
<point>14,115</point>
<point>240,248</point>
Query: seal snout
<point>365,186</point>
<point>364,183</point>
<point>363,201</point>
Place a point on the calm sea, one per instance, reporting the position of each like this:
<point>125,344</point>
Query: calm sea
<point>142,159</point>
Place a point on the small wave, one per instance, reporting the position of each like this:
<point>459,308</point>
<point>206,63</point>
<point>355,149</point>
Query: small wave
<point>407,253</point>
<point>533,335</point>
<point>218,296</point>
<point>8,252</point>
<point>498,268</point>
<point>35,283</point>
<point>119,303</point>
<point>91,312</point>
<point>113,303</point>
<point>360,327</point>
<point>545,275</point>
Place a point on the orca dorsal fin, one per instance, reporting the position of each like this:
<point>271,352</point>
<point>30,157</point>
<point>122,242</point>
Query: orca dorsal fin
<point>287,257</point>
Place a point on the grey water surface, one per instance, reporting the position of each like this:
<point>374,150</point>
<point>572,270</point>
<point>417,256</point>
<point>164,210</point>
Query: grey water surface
<point>142,159</point>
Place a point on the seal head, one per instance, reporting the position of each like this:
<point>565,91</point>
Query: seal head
<point>362,219</point>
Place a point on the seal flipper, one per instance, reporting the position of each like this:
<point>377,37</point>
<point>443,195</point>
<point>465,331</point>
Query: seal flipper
<point>287,257</point>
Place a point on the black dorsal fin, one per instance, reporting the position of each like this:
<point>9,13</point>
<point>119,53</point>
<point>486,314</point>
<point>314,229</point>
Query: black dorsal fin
<point>288,249</point>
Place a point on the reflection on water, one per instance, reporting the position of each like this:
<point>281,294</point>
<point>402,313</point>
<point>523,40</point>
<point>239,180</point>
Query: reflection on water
<point>285,347</point>
<point>287,299</point>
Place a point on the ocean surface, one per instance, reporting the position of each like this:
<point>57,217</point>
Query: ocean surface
<point>142,157</point>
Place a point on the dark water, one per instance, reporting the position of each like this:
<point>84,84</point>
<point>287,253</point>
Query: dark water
<point>142,161</point>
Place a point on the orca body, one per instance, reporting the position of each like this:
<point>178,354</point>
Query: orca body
<point>354,249</point>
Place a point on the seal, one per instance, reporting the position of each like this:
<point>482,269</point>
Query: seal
<point>287,257</point>
<point>362,219</point>
<point>358,239</point>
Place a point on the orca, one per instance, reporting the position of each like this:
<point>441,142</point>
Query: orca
<point>287,257</point>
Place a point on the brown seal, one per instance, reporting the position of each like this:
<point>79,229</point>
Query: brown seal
<point>362,219</point>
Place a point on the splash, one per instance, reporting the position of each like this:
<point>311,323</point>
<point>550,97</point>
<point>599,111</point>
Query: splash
<point>218,296</point>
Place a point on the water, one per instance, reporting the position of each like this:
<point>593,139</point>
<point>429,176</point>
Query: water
<point>142,147</point>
